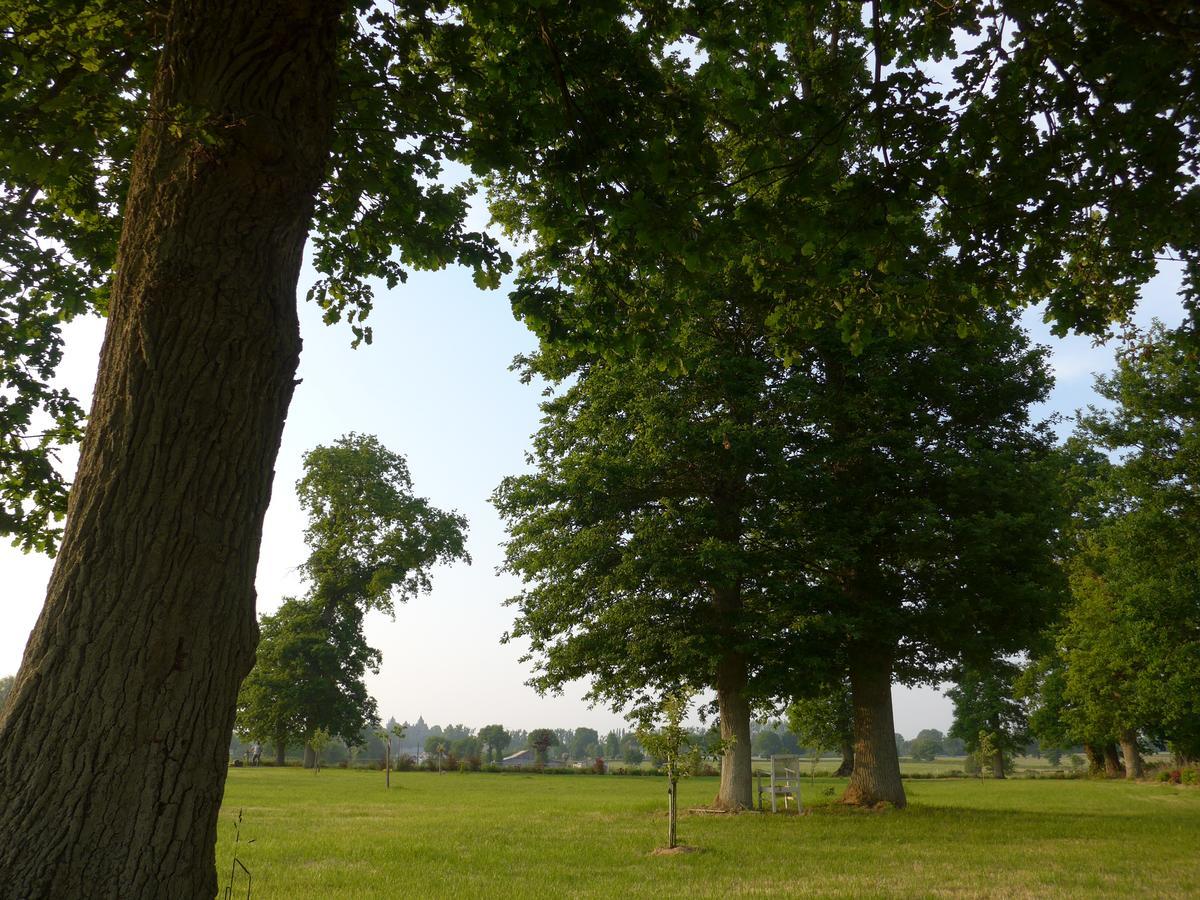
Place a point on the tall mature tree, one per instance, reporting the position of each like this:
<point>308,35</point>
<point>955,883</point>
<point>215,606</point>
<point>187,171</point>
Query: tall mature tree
<point>584,743</point>
<point>496,739</point>
<point>1056,720</point>
<point>371,542</point>
<point>541,740</point>
<point>649,535</point>
<point>933,507</point>
<point>1131,641</point>
<point>255,123</point>
<point>986,703</point>
<point>748,524</point>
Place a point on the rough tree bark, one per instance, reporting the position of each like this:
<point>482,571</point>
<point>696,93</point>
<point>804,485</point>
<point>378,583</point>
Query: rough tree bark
<point>1112,762</point>
<point>998,764</point>
<point>149,622</point>
<point>1095,758</point>
<point>1133,759</point>
<point>737,769</point>
<point>280,752</point>
<point>847,766</point>
<point>876,775</point>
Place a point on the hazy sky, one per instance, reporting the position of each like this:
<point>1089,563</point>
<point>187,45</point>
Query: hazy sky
<point>435,386</point>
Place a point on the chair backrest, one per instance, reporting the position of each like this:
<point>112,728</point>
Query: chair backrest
<point>785,767</point>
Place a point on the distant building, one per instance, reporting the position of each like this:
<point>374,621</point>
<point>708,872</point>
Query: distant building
<point>527,757</point>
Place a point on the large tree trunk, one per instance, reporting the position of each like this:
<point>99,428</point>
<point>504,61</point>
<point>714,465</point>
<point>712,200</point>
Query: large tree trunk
<point>149,622</point>
<point>876,775</point>
<point>281,751</point>
<point>998,764</point>
<point>1112,762</point>
<point>737,769</point>
<point>1095,759</point>
<point>847,766</point>
<point>310,757</point>
<point>1133,759</point>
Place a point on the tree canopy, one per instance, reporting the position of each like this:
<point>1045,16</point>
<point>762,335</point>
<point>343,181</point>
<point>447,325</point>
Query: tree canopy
<point>982,154</point>
<point>78,77</point>
<point>371,541</point>
<point>986,705</point>
<point>1130,643</point>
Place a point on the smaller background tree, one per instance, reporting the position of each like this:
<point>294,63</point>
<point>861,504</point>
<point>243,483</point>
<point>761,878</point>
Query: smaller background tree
<point>318,740</point>
<point>541,740</point>
<point>985,703</point>
<point>825,722</point>
<point>496,739</point>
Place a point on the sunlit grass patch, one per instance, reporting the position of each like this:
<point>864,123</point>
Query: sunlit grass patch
<point>342,834</point>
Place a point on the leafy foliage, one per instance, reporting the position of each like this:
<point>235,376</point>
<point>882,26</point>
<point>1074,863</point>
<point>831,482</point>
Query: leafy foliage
<point>986,703</point>
<point>1126,654</point>
<point>496,739</point>
<point>541,740</point>
<point>928,162</point>
<point>308,674</point>
<point>371,541</point>
<point>76,78</point>
<point>823,722</point>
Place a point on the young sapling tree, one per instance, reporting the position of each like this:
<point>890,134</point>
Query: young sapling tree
<point>318,741</point>
<point>674,744</point>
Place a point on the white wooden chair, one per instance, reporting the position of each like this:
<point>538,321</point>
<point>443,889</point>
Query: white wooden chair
<point>784,782</point>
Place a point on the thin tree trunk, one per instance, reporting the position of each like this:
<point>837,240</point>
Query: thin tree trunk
<point>737,768</point>
<point>1112,762</point>
<point>672,806</point>
<point>998,764</point>
<point>847,766</point>
<point>149,622</point>
<point>1133,759</point>
<point>876,775</point>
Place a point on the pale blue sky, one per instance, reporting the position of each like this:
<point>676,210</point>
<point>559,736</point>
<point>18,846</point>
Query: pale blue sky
<point>435,386</point>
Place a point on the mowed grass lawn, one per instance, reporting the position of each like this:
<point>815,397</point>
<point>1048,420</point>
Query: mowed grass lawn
<point>341,834</point>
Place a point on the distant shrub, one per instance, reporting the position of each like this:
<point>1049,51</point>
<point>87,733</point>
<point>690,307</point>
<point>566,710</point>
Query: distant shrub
<point>404,763</point>
<point>598,765</point>
<point>1190,776</point>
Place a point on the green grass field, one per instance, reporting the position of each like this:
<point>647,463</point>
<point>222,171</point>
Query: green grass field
<point>340,834</point>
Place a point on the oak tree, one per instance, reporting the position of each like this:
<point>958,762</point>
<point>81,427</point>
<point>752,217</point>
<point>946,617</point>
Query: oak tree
<point>986,703</point>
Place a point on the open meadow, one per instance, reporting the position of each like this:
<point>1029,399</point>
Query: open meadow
<point>339,834</point>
